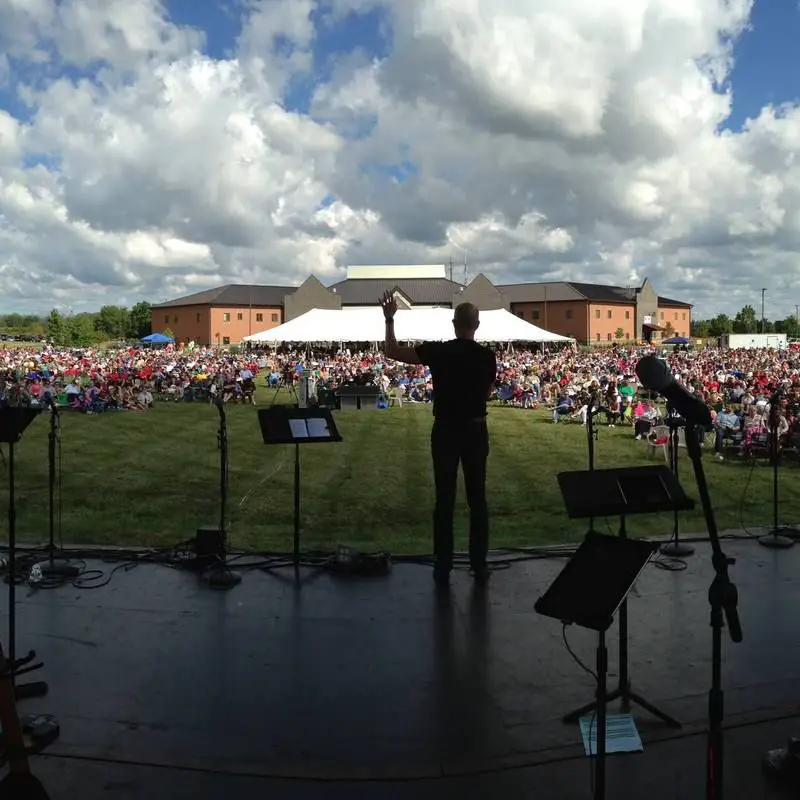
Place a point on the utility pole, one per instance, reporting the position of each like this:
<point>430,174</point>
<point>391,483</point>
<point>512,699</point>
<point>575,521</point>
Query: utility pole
<point>763,326</point>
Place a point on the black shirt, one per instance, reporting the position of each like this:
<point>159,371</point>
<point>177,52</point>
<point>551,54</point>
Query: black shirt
<point>463,372</point>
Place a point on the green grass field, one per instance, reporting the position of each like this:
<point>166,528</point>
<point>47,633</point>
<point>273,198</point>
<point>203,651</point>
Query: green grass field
<point>150,479</point>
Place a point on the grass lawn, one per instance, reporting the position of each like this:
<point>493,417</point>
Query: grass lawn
<point>151,479</point>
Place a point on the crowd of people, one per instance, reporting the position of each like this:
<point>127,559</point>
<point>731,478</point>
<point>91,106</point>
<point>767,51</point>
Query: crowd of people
<point>738,385</point>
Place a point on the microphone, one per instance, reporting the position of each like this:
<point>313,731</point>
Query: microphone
<point>656,376</point>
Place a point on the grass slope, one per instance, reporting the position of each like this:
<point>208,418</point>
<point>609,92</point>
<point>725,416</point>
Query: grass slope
<point>151,479</point>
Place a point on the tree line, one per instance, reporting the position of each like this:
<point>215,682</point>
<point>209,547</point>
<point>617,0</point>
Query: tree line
<point>110,323</point>
<point>745,321</point>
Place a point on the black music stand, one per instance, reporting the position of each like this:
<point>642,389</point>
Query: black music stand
<point>622,493</point>
<point>13,423</point>
<point>297,426</point>
<point>588,592</point>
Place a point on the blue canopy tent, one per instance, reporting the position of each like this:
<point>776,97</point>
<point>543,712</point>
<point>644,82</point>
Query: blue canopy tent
<point>157,338</point>
<point>676,340</point>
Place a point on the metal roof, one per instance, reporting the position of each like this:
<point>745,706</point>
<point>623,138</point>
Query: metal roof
<point>420,291</point>
<point>666,301</point>
<point>233,295</point>
<point>540,292</point>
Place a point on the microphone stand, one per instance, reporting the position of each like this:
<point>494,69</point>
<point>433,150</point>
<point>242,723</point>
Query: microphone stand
<point>53,567</point>
<point>675,548</point>
<point>723,597</point>
<point>591,438</point>
<point>223,578</point>
<point>779,538</point>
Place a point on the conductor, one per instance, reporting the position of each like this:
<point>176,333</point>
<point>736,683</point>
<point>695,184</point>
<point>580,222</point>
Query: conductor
<point>464,375</point>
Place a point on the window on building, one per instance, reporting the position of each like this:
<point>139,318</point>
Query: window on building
<point>598,337</point>
<point>175,318</point>
<point>166,319</point>
<point>597,314</point>
<point>627,315</point>
<point>609,337</point>
<point>240,316</point>
<point>259,317</point>
<point>609,313</point>
<point>684,316</point>
<point>569,313</point>
<point>226,317</point>
<point>274,317</point>
<point>535,313</point>
<point>676,315</point>
<point>662,315</point>
<point>198,317</point>
<point>226,340</point>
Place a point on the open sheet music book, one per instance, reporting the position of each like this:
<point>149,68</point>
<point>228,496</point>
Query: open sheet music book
<point>311,428</point>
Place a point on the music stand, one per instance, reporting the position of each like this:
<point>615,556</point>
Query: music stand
<point>622,493</point>
<point>297,426</point>
<point>13,423</point>
<point>588,592</point>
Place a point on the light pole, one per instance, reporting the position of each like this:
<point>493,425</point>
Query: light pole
<point>763,326</point>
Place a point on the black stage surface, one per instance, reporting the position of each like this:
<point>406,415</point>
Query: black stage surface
<point>166,688</point>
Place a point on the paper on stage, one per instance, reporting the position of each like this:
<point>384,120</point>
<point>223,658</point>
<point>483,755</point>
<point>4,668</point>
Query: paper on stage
<point>622,736</point>
<point>298,428</point>
<point>318,428</point>
<point>311,428</point>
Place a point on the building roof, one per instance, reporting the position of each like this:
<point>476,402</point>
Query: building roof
<point>233,295</point>
<point>420,291</point>
<point>666,301</point>
<point>562,291</point>
<point>602,293</point>
<point>539,292</point>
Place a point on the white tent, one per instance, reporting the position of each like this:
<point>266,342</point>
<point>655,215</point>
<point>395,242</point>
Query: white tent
<point>421,324</point>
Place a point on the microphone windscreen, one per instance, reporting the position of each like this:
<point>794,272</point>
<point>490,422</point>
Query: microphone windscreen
<point>653,373</point>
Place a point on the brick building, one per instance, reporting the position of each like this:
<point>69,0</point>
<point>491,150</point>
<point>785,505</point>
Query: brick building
<point>590,313</point>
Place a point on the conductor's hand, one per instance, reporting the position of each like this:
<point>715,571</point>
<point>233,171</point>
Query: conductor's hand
<point>389,305</point>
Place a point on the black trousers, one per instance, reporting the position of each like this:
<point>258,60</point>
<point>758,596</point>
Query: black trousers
<point>467,444</point>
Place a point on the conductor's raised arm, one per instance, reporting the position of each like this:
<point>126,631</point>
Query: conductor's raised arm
<point>408,355</point>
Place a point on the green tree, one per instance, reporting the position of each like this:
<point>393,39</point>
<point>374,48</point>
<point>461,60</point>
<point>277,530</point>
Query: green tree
<point>14,322</point>
<point>113,322</point>
<point>700,328</point>
<point>668,331</point>
<point>56,328</point>
<point>745,321</point>
<point>141,320</point>
<point>720,325</point>
<point>82,331</point>
<point>168,332</point>
<point>619,333</point>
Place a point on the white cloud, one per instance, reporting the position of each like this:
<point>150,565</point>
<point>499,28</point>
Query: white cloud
<point>560,138</point>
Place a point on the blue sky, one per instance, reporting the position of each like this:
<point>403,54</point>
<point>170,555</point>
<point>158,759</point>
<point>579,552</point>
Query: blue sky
<point>767,60</point>
<point>463,189</point>
<point>767,57</point>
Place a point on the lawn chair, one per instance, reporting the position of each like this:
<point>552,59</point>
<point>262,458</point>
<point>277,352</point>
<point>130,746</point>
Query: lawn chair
<point>395,396</point>
<point>658,438</point>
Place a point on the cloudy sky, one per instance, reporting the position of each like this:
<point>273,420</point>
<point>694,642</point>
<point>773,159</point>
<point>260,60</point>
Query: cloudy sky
<point>148,149</point>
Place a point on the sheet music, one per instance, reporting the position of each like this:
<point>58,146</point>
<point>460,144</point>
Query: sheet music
<point>318,428</point>
<point>298,428</point>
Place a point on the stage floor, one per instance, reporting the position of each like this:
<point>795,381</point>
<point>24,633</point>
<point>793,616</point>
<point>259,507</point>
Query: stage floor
<point>382,679</point>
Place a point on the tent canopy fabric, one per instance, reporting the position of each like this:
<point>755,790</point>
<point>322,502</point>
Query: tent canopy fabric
<point>157,338</point>
<point>414,325</point>
<point>676,340</point>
